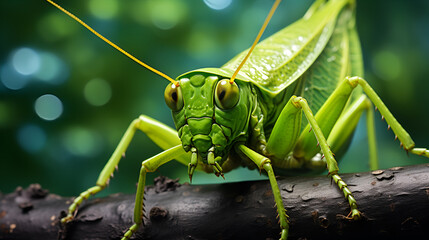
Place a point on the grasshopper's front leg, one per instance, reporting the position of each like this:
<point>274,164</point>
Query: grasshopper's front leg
<point>149,165</point>
<point>162,135</point>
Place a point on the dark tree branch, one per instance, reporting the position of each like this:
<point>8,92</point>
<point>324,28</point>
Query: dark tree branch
<point>395,204</point>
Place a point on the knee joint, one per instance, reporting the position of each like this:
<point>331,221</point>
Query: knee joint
<point>354,81</point>
<point>266,165</point>
<point>297,101</point>
<point>143,169</point>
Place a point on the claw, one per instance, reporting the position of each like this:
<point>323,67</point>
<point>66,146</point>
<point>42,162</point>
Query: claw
<point>191,169</point>
<point>218,169</point>
<point>193,164</point>
<point>67,219</point>
<point>214,163</point>
<point>220,174</point>
<point>355,215</point>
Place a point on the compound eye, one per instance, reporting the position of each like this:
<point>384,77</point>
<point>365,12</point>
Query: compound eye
<point>173,97</point>
<point>226,94</point>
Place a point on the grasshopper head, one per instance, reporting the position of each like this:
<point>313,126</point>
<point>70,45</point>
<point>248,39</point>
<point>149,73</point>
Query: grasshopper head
<point>210,114</point>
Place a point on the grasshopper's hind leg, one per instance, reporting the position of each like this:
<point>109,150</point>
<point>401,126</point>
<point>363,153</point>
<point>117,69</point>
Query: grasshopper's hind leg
<point>403,136</point>
<point>162,135</point>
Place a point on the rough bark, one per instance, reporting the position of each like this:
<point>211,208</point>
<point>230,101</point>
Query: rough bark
<point>394,203</point>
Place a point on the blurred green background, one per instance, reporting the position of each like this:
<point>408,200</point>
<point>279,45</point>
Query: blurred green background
<point>66,97</point>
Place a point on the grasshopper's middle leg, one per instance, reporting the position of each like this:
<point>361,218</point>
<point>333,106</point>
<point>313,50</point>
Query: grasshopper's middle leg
<point>328,155</point>
<point>346,124</point>
<point>162,135</point>
<point>264,163</point>
<point>290,119</point>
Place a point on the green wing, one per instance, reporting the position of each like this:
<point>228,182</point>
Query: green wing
<point>281,59</point>
<point>340,58</point>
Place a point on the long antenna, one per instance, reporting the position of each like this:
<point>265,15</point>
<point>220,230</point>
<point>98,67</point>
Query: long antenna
<point>114,45</point>
<point>267,20</point>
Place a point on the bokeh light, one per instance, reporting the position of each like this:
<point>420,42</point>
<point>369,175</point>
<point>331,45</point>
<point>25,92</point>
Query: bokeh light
<point>387,65</point>
<point>217,4</point>
<point>26,65</point>
<point>164,14</point>
<point>26,61</point>
<point>53,26</point>
<point>52,69</point>
<point>104,9</point>
<point>48,107</point>
<point>31,138</point>
<point>11,79</point>
<point>81,142</point>
<point>97,92</point>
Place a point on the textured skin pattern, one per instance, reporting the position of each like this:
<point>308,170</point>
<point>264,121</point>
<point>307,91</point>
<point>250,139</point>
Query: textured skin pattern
<point>201,124</point>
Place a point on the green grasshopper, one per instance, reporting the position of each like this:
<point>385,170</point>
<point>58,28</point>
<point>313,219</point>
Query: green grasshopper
<point>249,111</point>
